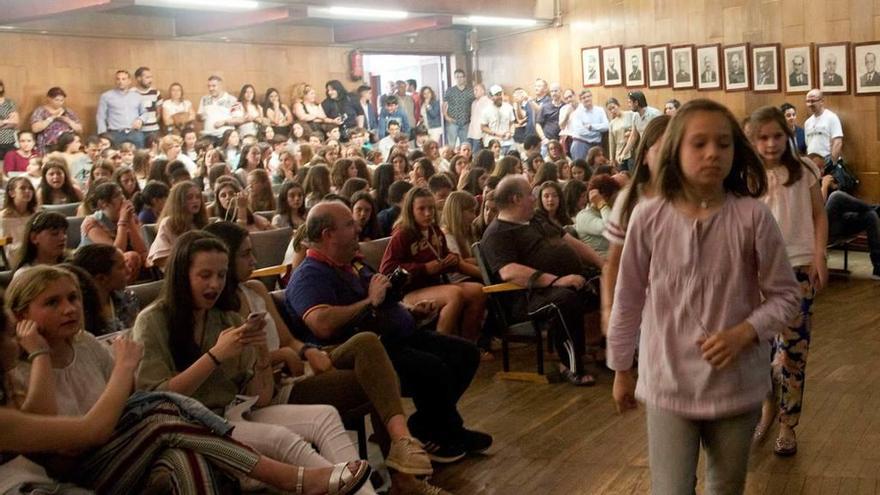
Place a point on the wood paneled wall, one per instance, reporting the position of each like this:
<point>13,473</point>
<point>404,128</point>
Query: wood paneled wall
<point>554,53</point>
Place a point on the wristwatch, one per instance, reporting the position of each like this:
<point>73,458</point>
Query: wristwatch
<point>305,348</point>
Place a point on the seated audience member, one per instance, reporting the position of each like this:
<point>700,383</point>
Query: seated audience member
<point>18,160</point>
<point>848,216</point>
<point>347,376</point>
<point>352,186</point>
<point>231,204</point>
<point>171,148</point>
<point>279,115</point>
<point>141,166</point>
<point>363,209</point>
<point>391,112</point>
<point>459,213</point>
<point>230,144</point>
<point>507,166</point>
<point>388,217</point>
<point>550,202</point>
<point>287,167</point>
<point>596,158</point>
<point>531,251</point>
<point>158,171</point>
<point>44,241</point>
<point>115,223</point>
<point>431,149</point>
<point>184,210</point>
<point>94,320</point>
<point>389,139</point>
<point>149,202</point>
<point>155,437</point>
<point>19,207</point>
<point>574,197</point>
<point>459,166</point>
<point>488,212</point>
<point>316,185</point>
<point>474,181</point>
<point>485,160</point>
<point>590,222</point>
<point>106,264</point>
<point>330,290</point>
<point>533,164</point>
<point>56,188</point>
<point>418,246</point>
<point>342,170</point>
<point>127,180</point>
<point>102,171</point>
<point>383,177</point>
<point>564,170</point>
<point>580,170</point>
<point>259,187</point>
<point>422,170</point>
<point>441,187</point>
<point>196,344</point>
<point>401,164</point>
<point>291,208</point>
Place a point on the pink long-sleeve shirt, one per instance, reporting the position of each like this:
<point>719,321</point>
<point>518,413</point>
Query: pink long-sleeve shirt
<point>681,279</point>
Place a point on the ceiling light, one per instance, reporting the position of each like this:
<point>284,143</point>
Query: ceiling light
<point>7,28</point>
<point>478,20</point>
<point>203,4</point>
<point>357,13</point>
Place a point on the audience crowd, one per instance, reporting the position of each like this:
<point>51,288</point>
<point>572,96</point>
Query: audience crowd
<point>579,206</point>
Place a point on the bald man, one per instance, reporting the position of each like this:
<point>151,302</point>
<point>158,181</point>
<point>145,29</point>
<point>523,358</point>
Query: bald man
<point>824,133</point>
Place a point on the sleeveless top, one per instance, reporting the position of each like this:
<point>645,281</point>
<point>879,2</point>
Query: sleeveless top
<point>257,304</point>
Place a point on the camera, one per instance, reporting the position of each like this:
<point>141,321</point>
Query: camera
<point>398,280</point>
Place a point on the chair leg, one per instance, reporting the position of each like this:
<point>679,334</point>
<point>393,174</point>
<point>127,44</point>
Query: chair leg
<point>846,258</point>
<point>539,350</point>
<point>361,430</point>
<point>505,352</point>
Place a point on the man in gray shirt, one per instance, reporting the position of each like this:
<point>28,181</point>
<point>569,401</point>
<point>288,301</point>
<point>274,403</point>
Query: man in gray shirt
<point>151,99</point>
<point>119,112</point>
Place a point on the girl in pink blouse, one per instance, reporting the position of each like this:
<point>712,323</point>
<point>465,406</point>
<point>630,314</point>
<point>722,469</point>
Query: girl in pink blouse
<point>705,280</point>
<point>795,200</point>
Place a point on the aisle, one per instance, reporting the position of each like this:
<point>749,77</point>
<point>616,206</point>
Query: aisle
<point>555,439</point>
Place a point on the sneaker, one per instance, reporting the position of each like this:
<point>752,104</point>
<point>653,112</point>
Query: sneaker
<point>876,274</point>
<point>475,442</point>
<point>407,456</point>
<point>419,487</point>
<point>443,453</point>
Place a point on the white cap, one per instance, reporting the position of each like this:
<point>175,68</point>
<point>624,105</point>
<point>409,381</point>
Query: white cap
<point>495,90</point>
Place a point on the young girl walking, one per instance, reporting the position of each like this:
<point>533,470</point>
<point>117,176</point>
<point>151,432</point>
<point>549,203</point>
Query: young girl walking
<point>705,277</point>
<point>794,198</point>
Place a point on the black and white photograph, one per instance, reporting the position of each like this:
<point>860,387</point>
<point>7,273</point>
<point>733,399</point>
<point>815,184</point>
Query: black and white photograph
<point>736,67</point>
<point>798,69</point>
<point>765,61</point>
<point>833,64</point>
<point>683,68</point>
<point>658,66</point>
<point>708,67</point>
<point>591,66</point>
<point>866,77</point>
<point>612,66</point>
<point>634,58</point>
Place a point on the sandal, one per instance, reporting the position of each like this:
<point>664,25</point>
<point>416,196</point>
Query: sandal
<point>785,447</point>
<point>343,481</point>
<point>585,380</point>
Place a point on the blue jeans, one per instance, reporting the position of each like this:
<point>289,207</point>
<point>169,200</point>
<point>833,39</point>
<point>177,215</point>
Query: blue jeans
<point>456,133</point>
<point>476,145</point>
<point>848,215</point>
<point>134,137</point>
<point>579,149</point>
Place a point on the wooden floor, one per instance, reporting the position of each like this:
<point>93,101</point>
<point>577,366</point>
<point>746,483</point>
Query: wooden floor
<point>556,439</point>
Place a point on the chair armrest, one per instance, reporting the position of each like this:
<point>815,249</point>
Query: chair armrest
<point>5,240</point>
<point>271,271</point>
<point>502,287</point>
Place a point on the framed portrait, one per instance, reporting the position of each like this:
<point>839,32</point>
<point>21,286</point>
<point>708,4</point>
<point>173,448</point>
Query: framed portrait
<point>832,60</point>
<point>634,58</point>
<point>612,66</point>
<point>865,73</point>
<point>765,65</point>
<point>683,67</point>
<point>708,71</point>
<point>658,66</point>
<point>591,66</point>
<point>798,69</point>
<point>736,67</point>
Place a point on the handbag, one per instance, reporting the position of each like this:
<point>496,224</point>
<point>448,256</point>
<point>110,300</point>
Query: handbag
<point>846,180</point>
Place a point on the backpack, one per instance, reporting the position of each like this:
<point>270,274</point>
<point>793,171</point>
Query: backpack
<point>846,180</point>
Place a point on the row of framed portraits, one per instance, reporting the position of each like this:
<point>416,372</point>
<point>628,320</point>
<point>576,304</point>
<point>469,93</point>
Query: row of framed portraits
<point>761,68</point>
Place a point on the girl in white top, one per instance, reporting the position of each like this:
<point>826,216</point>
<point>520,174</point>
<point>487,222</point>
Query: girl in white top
<point>21,204</point>
<point>176,110</point>
<point>796,202</point>
<point>247,114</point>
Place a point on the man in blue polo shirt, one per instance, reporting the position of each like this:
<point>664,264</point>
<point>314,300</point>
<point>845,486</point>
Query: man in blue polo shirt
<point>335,296</point>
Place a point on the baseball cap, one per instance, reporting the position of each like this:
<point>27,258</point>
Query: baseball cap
<point>495,90</point>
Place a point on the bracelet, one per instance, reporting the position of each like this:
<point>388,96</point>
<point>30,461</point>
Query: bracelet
<point>37,353</point>
<point>554,281</point>
<point>213,358</point>
<point>304,348</point>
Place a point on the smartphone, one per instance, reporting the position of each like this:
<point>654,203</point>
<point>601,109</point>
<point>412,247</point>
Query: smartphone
<point>254,318</point>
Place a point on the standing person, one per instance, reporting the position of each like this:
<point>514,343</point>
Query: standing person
<point>457,109</point>
<point>703,365</point>
<point>795,200</point>
<point>824,134</point>
<point>279,115</point>
<point>9,121</point>
<point>367,117</point>
<point>799,138</point>
<point>588,122</point>
<point>429,110</point>
<point>618,134</point>
<point>51,120</point>
<point>479,106</point>
<point>151,100</point>
<point>497,120</point>
<point>534,105</point>
<point>641,115</point>
<point>569,105</point>
<point>407,104</point>
<point>338,104</point>
<point>547,120</point>
<point>121,112</point>
<point>215,109</point>
<point>521,118</point>
<point>247,114</point>
<point>177,112</point>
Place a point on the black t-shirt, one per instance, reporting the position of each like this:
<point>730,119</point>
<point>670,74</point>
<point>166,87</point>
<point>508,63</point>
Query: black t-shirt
<point>538,244</point>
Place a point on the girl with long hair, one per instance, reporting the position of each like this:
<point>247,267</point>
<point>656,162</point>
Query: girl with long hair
<point>705,280</point>
<point>183,211</point>
<point>259,186</point>
<point>55,186</point>
<point>316,184</point>
<point>20,206</point>
<point>365,214</point>
<point>232,204</point>
<point>550,202</point>
<point>127,181</point>
<point>291,206</point>
<point>279,115</point>
<point>418,245</point>
<point>115,223</point>
<point>590,221</point>
<point>44,240</point>
<point>247,114</point>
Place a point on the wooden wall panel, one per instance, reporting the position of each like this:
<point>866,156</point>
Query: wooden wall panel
<point>518,60</point>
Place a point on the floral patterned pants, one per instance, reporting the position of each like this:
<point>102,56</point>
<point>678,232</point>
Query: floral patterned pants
<point>789,358</point>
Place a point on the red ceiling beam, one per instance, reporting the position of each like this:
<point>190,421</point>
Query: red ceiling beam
<point>369,30</point>
<point>197,24</point>
<point>12,11</point>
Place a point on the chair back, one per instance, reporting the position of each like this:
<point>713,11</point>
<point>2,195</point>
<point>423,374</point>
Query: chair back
<point>74,231</point>
<point>66,209</point>
<point>5,278</point>
<point>147,292</point>
<point>267,214</point>
<point>270,246</point>
<point>372,251</point>
<point>149,232</point>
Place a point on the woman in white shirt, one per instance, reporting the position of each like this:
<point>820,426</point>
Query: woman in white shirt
<point>177,112</point>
